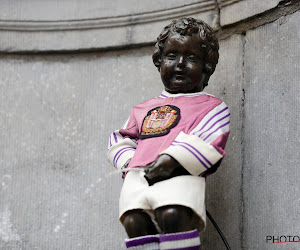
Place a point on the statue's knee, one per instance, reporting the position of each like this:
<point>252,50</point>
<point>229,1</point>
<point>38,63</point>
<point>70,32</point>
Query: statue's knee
<point>129,221</point>
<point>170,216</point>
<point>174,219</point>
<point>138,223</point>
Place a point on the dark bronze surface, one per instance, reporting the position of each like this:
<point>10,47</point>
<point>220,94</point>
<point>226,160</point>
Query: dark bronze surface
<point>186,54</point>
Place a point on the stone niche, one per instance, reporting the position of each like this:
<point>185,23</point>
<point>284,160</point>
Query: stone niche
<point>59,105</point>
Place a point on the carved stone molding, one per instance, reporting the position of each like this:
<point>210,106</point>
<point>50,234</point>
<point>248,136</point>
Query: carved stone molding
<point>108,22</point>
<point>97,30</point>
<point>95,33</point>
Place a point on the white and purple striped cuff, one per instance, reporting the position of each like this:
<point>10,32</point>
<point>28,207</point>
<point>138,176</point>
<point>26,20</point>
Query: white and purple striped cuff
<point>147,242</point>
<point>184,240</point>
<point>194,154</point>
<point>120,153</point>
<point>115,138</point>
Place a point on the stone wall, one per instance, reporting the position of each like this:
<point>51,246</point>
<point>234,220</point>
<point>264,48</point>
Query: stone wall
<point>67,79</point>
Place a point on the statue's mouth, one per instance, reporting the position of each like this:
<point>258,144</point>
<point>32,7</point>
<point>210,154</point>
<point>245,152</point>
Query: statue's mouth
<point>180,77</point>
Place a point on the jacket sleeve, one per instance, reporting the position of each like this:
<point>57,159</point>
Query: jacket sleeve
<point>122,143</point>
<point>203,146</point>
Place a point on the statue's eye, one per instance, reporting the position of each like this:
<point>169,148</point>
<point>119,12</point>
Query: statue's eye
<point>192,58</point>
<point>170,56</point>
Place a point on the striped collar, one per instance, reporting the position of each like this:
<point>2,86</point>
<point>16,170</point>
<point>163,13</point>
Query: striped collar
<point>166,94</point>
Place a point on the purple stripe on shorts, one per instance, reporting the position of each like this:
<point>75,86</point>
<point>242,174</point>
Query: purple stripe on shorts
<point>212,118</point>
<point>141,241</point>
<point>120,151</point>
<point>196,151</point>
<point>191,153</point>
<point>214,124</point>
<point>216,130</point>
<point>115,136</point>
<point>179,236</point>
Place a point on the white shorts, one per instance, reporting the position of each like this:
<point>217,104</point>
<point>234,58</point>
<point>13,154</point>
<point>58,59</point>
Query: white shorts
<point>185,190</point>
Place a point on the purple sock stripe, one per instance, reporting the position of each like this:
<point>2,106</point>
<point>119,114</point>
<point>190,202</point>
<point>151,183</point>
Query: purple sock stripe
<point>115,136</point>
<point>120,151</point>
<point>179,236</point>
<point>214,124</point>
<point>163,95</point>
<point>129,149</point>
<point>216,130</point>
<point>211,119</point>
<point>141,241</point>
<point>196,151</point>
<point>191,153</point>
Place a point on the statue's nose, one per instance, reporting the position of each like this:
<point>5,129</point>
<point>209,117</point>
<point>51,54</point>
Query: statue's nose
<point>181,61</point>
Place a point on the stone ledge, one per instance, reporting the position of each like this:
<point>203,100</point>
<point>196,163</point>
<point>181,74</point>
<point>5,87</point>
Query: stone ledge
<point>111,33</point>
<point>95,34</point>
<point>107,22</point>
<point>235,11</point>
<point>283,9</point>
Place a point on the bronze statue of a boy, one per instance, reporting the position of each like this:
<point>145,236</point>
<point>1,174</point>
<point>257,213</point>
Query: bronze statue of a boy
<point>175,139</point>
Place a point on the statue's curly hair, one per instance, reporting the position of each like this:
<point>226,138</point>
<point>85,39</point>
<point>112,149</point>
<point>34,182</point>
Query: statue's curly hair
<point>188,27</point>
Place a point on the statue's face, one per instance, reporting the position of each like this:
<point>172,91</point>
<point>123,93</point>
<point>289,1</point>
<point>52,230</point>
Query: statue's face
<point>182,64</point>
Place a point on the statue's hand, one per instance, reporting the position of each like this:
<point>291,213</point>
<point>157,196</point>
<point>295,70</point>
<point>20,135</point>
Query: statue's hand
<point>165,167</point>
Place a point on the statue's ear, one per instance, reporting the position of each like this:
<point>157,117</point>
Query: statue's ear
<point>204,80</point>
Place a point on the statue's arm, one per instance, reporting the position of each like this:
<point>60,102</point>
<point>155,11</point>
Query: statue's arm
<point>198,151</point>
<point>123,143</point>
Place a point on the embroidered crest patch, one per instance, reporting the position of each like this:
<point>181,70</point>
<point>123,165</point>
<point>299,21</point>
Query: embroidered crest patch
<point>159,121</point>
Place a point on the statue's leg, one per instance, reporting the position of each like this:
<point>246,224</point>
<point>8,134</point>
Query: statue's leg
<point>140,230</point>
<point>138,223</point>
<point>174,218</point>
<point>178,229</point>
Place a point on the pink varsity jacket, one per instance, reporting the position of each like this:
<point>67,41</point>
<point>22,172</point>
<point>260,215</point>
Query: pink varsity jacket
<point>192,128</point>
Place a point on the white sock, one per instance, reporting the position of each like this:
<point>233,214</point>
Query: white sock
<point>184,240</point>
